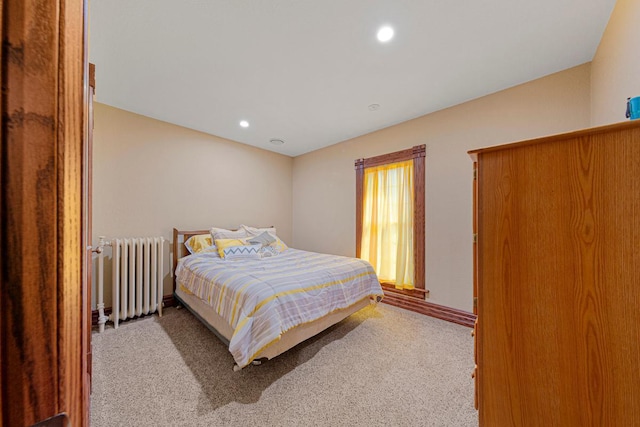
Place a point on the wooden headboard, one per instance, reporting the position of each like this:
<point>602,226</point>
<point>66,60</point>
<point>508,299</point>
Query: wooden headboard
<point>179,237</point>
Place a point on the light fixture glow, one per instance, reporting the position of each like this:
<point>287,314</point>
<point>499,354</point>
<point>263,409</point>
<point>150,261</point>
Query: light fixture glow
<point>385,34</point>
<point>244,123</point>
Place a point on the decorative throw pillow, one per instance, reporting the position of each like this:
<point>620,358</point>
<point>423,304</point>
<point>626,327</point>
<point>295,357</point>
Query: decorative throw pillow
<point>264,239</point>
<point>199,243</point>
<point>278,244</point>
<point>242,252</point>
<point>268,251</point>
<point>222,244</point>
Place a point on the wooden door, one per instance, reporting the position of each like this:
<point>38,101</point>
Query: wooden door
<point>42,133</point>
<point>87,232</point>
<point>475,238</point>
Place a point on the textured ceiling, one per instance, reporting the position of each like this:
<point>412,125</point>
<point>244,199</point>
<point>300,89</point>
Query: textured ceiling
<point>305,71</point>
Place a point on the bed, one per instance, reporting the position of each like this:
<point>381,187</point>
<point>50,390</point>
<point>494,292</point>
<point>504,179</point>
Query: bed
<point>261,307</point>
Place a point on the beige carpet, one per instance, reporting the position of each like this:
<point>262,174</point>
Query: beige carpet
<point>382,366</point>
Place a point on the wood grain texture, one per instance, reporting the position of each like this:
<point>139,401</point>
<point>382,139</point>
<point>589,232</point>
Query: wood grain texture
<point>42,130</point>
<point>29,295</point>
<point>416,292</point>
<point>419,216</point>
<point>359,204</point>
<point>87,215</point>
<point>71,143</point>
<point>429,309</point>
<point>395,157</point>
<point>475,243</point>
<point>3,85</point>
<point>178,249</point>
<point>558,321</point>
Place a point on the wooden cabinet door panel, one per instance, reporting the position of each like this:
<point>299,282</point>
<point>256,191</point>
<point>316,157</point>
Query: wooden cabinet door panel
<point>558,320</point>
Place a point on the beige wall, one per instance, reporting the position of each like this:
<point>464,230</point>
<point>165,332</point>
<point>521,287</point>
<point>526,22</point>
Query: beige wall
<point>615,67</point>
<point>324,180</point>
<point>150,176</point>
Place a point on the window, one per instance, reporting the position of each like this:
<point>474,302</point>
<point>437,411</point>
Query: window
<point>390,218</point>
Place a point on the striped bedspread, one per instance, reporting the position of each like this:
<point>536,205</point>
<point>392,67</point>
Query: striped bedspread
<point>262,299</point>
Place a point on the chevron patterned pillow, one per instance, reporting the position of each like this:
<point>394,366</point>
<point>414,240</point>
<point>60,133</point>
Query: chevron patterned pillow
<point>242,252</point>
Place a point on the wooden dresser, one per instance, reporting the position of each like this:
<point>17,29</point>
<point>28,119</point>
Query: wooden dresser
<point>557,280</point>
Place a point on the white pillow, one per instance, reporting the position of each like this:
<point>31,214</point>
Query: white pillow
<point>253,231</point>
<point>223,233</point>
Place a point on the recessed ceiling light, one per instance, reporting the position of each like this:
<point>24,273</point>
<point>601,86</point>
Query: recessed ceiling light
<point>374,107</point>
<point>276,141</point>
<point>244,123</point>
<point>385,34</point>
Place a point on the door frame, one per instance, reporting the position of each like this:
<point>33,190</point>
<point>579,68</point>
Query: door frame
<point>43,135</point>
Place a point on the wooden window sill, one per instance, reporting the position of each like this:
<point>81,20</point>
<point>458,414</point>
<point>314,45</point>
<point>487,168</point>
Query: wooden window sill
<point>389,288</point>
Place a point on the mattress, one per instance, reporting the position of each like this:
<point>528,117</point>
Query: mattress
<point>260,299</point>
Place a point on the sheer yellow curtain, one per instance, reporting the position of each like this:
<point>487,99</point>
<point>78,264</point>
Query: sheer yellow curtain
<point>387,223</point>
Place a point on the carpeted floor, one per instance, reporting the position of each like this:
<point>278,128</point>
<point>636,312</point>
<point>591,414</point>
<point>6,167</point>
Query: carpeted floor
<point>383,366</point>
